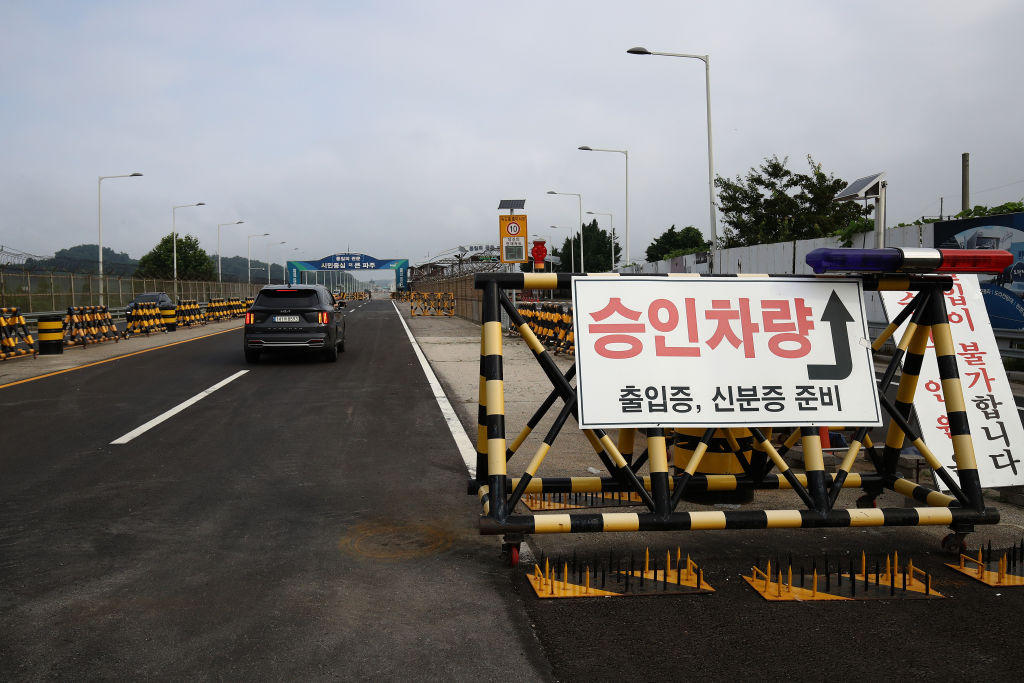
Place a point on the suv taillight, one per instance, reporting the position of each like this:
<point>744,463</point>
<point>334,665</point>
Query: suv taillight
<point>322,317</point>
<point>248,318</point>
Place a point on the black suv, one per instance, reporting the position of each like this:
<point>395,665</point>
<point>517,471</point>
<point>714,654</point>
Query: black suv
<point>295,317</point>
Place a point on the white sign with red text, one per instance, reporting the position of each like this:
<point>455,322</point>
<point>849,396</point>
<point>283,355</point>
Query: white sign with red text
<point>991,410</point>
<point>722,351</point>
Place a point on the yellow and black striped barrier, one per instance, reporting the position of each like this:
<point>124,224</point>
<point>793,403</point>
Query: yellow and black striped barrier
<point>189,314</point>
<point>84,325</point>
<point>432,303</point>
<point>144,319</point>
<point>15,339</point>
<point>51,334</point>
<point>718,460</point>
<point>552,323</point>
<point>169,318</point>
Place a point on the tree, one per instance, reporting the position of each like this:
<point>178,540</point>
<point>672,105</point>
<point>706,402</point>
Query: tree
<point>982,211</point>
<point>83,259</point>
<point>193,262</point>
<point>774,204</point>
<point>597,250</point>
<point>674,242</point>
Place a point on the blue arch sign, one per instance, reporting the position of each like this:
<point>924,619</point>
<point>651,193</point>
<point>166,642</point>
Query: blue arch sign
<point>350,261</point>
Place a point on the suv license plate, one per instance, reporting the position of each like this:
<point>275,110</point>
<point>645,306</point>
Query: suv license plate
<point>286,318</point>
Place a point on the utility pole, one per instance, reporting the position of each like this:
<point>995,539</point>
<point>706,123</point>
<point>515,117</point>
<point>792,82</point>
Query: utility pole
<point>965,179</point>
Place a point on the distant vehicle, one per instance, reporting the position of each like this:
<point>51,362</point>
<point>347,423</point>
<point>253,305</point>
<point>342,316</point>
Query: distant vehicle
<point>294,317</point>
<point>160,299</point>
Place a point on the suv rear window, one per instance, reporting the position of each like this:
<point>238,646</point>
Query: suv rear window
<point>288,298</point>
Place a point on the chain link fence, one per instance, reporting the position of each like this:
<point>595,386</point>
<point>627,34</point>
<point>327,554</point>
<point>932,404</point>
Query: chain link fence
<point>37,292</point>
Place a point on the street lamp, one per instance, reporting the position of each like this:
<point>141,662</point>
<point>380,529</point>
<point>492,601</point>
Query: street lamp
<point>220,277</point>
<point>99,203</point>
<point>611,223</point>
<point>624,152</point>
<point>572,248</point>
<point>248,256</point>
<point>270,244</point>
<point>711,162</point>
<point>579,199</point>
<point>174,242</point>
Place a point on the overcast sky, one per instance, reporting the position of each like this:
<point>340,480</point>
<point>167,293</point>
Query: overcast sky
<point>394,128</point>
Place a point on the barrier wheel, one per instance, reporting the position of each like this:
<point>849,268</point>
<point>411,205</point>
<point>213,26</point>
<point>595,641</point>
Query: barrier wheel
<point>955,543</point>
<point>510,553</point>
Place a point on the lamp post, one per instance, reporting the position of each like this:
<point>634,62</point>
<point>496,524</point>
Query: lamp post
<point>271,244</point>
<point>611,223</point>
<point>711,163</point>
<point>220,276</point>
<point>248,256</point>
<point>99,203</point>
<point>572,247</point>
<point>579,200</point>
<point>625,153</point>
<point>174,242</point>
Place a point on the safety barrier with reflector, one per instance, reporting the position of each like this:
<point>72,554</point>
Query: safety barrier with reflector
<point>749,459</point>
<point>15,339</point>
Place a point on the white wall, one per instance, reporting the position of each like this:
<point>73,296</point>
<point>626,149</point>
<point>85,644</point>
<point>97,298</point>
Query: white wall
<point>790,258</point>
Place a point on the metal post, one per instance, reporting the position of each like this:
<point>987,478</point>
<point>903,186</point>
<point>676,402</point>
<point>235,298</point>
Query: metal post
<point>965,180</point>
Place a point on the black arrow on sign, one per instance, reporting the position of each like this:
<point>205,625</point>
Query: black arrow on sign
<point>836,315</point>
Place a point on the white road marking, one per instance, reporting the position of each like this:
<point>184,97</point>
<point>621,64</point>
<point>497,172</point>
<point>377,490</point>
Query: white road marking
<point>175,410</point>
<point>462,442</point>
<point>465,446</point>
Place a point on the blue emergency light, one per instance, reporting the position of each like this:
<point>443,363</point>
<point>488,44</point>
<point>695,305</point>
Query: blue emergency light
<point>909,260</point>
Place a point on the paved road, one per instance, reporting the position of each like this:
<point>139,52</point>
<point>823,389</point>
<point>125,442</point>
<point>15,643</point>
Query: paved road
<point>306,520</point>
<point>309,521</point>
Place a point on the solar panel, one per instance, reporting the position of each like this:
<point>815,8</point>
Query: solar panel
<point>512,204</point>
<point>860,188</point>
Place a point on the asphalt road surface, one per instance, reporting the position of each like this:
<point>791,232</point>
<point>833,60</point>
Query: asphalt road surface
<point>309,520</point>
<point>306,520</point>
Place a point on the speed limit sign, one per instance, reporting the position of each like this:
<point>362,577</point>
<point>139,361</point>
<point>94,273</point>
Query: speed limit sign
<point>512,236</point>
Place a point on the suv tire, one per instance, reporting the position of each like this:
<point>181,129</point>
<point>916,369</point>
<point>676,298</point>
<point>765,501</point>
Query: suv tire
<point>252,356</point>
<point>331,353</point>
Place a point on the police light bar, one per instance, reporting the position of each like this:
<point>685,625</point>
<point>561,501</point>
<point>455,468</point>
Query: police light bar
<point>910,260</point>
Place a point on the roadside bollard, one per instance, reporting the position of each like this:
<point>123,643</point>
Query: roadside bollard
<point>51,335</point>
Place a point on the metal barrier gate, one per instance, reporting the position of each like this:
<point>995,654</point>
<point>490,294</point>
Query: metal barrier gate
<point>661,493</point>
